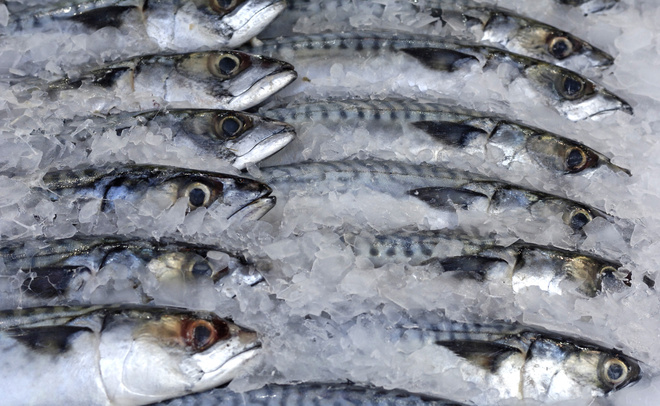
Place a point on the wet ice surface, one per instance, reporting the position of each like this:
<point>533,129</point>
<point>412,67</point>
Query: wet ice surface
<point>317,285</point>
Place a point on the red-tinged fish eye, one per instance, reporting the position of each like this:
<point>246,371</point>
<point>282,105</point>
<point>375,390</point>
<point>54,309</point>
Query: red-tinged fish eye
<point>201,334</point>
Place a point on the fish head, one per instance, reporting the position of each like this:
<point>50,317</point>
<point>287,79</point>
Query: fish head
<point>558,369</point>
<point>574,96</point>
<point>150,355</point>
<point>556,270</point>
<point>240,137</point>
<point>228,79</point>
<point>530,37</point>
<point>565,156</point>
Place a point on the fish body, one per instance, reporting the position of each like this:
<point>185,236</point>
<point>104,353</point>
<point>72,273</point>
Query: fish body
<point>42,271</point>
<point>445,127</point>
<point>160,187</point>
<point>117,354</point>
<point>235,137</point>
<point>303,394</point>
<point>436,186</point>
<point>570,94</point>
<point>177,25</point>
<point>216,79</point>
<point>521,361</point>
<point>520,264</point>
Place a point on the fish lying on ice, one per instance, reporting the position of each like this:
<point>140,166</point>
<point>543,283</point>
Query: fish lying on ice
<point>520,264</point>
<point>180,25</point>
<point>235,137</point>
<point>441,126</point>
<point>304,394</point>
<point>117,355</point>
<point>436,186</point>
<point>161,187</point>
<point>45,271</point>
<point>571,95</point>
<point>229,80</point>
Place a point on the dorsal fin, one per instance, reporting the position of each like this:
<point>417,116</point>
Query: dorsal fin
<point>102,17</point>
<point>448,133</point>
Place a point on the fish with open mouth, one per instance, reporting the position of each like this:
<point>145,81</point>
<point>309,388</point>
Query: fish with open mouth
<point>235,137</point>
<point>443,126</point>
<point>521,264</point>
<point>520,361</point>
<point>115,355</point>
<point>161,186</point>
<point>571,95</point>
<point>42,271</point>
<point>229,80</point>
<point>179,25</point>
<point>437,187</point>
<point>311,393</point>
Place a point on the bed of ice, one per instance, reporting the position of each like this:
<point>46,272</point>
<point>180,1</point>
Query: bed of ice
<point>316,285</point>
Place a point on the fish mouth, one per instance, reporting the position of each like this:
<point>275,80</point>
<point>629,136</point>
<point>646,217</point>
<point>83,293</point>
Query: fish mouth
<point>260,90</point>
<point>266,147</point>
<point>255,16</point>
<point>256,209</point>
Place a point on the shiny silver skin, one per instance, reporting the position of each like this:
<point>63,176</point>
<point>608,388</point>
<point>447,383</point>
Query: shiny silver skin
<point>520,264</point>
<point>520,361</point>
<point>570,94</point>
<point>159,186</point>
<point>42,271</point>
<point>178,25</point>
<point>590,6</point>
<point>228,79</point>
<point>305,394</point>
<point>449,127</point>
<point>440,188</point>
<point>117,354</point>
<point>235,137</point>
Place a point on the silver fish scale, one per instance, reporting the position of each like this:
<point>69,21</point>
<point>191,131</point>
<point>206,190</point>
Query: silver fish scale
<point>305,394</point>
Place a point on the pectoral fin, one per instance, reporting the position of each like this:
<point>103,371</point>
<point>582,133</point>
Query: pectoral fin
<point>445,60</point>
<point>470,266</point>
<point>483,354</point>
<point>446,198</point>
<point>448,133</point>
<point>102,17</point>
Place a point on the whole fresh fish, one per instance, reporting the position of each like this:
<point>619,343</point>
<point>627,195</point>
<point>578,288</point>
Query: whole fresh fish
<point>520,361</point>
<point>161,187</point>
<point>215,79</point>
<point>117,355</point>
<point>521,264</point>
<point>304,394</point>
<point>486,23</point>
<point>42,271</point>
<point>436,186</point>
<point>182,25</point>
<point>438,126</point>
<point>236,137</point>
<point>570,94</point>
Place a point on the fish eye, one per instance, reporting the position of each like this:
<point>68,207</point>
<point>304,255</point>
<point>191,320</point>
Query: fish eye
<point>615,371</point>
<point>198,195</point>
<point>578,218</point>
<point>201,269</point>
<point>229,126</point>
<point>560,47</point>
<point>572,87</point>
<point>225,66</point>
<point>576,159</point>
<point>201,334</point>
<point>223,6</point>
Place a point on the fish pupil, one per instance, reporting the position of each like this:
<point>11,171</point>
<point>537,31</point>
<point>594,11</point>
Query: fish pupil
<point>230,127</point>
<point>615,372</point>
<point>572,86</point>
<point>201,269</point>
<point>197,197</point>
<point>201,335</point>
<point>575,159</point>
<point>227,65</point>
<point>560,48</point>
<point>579,220</point>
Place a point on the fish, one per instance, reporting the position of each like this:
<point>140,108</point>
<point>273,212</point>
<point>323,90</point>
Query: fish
<point>128,355</point>
<point>41,271</point>
<point>308,393</point>
<point>235,137</point>
<point>160,187</point>
<point>570,94</point>
<point>590,6</point>
<point>521,264</point>
<point>445,126</point>
<point>521,361</point>
<point>437,187</point>
<point>225,79</point>
<point>176,25</point>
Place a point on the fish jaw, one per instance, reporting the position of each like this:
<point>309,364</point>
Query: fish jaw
<point>250,18</point>
<point>255,210</point>
<point>271,77</point>
<point>602,103</point>
<point>267,138</point>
